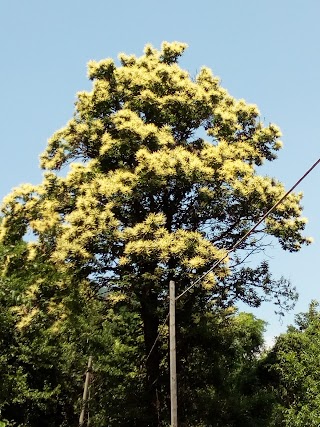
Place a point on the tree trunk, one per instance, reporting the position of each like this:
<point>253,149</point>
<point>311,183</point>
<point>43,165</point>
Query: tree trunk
<point>149,304</point>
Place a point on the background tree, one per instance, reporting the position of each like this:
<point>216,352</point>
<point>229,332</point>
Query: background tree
<point>162,181</point>
<point>219,355</point>
<point>39,384</point>
<point>291,371</point>
<point>48,329</point>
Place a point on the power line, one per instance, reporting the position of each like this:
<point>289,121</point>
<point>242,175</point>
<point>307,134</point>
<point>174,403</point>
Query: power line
<point>158,336</point>
<point>247,234</point>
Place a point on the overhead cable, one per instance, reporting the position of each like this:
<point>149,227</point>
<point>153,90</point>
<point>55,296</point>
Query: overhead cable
<point>247,234</point>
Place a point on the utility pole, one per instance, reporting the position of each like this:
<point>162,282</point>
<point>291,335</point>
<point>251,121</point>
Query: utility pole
<point>173,362</point>
<point>85,392</point>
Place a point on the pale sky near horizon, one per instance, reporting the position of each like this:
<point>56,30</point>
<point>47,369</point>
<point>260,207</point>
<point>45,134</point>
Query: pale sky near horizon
<point>266,52</point>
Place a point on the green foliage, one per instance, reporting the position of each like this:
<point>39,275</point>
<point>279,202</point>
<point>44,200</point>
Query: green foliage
<point>44,361</point>
<point>292,369</point>
<point>44,364</point>
<point>39,386</point>
<point>218,356</point>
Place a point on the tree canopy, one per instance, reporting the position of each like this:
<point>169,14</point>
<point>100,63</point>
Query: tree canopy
<point>291,371</point>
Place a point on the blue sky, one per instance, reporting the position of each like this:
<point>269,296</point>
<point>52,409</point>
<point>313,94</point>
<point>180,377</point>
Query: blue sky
<point>265,52</point>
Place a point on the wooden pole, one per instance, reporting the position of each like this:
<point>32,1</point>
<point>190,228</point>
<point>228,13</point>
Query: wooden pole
<point>85,392</point>
<point>173,363</point>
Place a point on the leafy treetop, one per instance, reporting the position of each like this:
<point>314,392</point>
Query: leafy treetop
<point>162,180</point>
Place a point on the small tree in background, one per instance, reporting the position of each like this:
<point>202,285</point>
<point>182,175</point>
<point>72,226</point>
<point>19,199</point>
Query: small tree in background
<point>291,372</point>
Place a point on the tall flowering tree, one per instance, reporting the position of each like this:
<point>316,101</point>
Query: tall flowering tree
<point>162,181</point>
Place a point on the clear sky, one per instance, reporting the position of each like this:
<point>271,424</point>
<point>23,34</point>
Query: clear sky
<point>266,52</point>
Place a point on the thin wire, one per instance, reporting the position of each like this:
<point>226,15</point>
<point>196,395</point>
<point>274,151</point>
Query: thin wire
<point>158,336</point>
<point>243,238</point>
